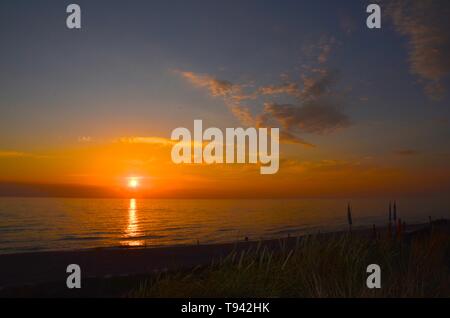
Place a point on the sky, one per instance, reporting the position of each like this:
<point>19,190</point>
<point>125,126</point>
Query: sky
<point>361,112</point>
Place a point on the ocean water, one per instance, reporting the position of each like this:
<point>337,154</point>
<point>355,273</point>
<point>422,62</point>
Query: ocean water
<point>40,224</point>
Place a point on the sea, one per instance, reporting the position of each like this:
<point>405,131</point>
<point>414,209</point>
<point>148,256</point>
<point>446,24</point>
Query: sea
<point>54,224</point>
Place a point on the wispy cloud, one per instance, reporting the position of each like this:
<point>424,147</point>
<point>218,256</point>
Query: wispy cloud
<point>243,114</point>
<point>19,154</point>
<point>326,45</point>
<point>288,88</point>
<point>145,140</point>
<point>318,83</point>
<point>85,139</point>
<point>406,152</point>
<point>425,24</point>
<point>215,86</point>
<point>318,106</point>
<point>218,87</point>
<point>12,154</point>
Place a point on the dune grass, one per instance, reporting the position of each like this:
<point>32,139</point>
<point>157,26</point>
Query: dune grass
<point>333,266</point>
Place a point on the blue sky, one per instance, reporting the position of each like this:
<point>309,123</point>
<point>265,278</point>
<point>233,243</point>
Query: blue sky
<point>119,75</point>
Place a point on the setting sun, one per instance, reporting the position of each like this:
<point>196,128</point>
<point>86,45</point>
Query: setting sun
<point>133,183</point>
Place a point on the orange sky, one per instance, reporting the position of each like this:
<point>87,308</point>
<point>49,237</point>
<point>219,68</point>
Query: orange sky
<point>109,165</point>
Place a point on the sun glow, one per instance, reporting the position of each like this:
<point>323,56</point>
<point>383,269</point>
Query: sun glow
<point>133,183</point>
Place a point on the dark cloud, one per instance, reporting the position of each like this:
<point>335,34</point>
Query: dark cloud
<point>287,137</point>
<point>406,152</point>
<point>314,117</point>
<point>317,108</point>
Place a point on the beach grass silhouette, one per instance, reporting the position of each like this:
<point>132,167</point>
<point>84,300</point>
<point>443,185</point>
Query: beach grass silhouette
<point>415,265</point>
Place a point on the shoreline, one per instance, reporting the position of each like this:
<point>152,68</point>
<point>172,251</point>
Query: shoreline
<point>193,242</point>
<point>34,268</point>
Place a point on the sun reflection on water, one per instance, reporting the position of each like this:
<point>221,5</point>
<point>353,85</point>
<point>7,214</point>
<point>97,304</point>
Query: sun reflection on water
<point>132,230</point>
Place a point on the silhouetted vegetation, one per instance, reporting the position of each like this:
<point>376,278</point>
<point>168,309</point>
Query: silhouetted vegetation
<point>415,265</point>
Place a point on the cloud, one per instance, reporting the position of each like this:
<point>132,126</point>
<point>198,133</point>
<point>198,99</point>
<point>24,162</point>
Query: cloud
<point>13,154</point>
<point>318,112</point>
<point>315,80</point>
<point>321,49</point>
<point>216,87</point>
<point>317,108</point>
<point>426,26</point>
<point>85,139</point>
<point>285,88</point>
<point>287,137</point>
<point>319,83</point>
<point>145,140</point>
<point>243,114</point>
<point>406,152</point>
<point>315,117</point>
<point>19,154</point>
<point>325,46</point>
<point>230,92</point>
<point>157,141</point>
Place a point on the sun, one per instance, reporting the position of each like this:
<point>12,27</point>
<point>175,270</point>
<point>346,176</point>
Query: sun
<point>133,183</point>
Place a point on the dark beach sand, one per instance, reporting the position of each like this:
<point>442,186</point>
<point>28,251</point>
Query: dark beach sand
<point>30,270</point>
